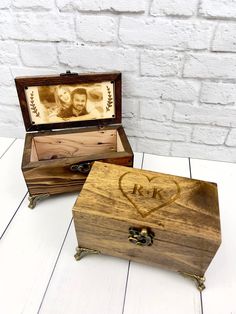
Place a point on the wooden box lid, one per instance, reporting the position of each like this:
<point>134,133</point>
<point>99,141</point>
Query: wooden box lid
<point>177,209</point>
<point>69,100</point>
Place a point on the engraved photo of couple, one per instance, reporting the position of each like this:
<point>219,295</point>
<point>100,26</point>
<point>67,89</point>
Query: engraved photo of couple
<point>58,103</point>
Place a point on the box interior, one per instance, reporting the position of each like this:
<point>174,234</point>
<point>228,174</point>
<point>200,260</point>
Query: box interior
<point>75,144</point>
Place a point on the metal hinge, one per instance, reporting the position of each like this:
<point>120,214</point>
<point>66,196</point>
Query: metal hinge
<point>102,125</point>
<point>69,73</point>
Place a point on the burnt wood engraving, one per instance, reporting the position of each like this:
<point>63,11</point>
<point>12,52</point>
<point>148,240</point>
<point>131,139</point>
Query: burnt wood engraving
<point>149,194</point>
<point>33,105</point>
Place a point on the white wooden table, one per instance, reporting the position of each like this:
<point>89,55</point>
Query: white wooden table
<point>38,273</point>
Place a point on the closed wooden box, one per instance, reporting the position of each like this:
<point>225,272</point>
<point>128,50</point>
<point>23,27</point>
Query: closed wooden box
<point>149,217</point>
<point>71,120</point>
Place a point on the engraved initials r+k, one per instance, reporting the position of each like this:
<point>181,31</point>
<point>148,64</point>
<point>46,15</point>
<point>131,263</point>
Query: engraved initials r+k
<point>139,190</point>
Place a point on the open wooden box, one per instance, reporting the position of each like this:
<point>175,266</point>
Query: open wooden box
<point>87,110</point>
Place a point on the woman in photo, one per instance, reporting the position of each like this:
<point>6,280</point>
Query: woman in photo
<point>63,101</point>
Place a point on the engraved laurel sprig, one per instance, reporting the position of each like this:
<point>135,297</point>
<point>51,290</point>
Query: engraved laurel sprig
<point>109,100</point>
<point>33,106</point>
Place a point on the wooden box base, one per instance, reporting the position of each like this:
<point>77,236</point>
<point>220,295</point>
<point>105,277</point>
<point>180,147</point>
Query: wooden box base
<point>59,162</point>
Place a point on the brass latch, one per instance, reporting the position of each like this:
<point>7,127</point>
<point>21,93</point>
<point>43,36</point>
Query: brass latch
<point>83,167</point>
<point>141,236</point>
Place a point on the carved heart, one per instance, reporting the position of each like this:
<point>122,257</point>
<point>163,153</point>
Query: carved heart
<point>148,194</point>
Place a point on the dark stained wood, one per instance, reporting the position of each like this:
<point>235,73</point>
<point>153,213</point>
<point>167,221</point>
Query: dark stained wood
<point>23,82</point>
<point>183,214</point>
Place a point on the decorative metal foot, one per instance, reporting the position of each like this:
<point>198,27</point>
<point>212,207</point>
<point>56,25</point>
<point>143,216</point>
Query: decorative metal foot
<point>81,252</point>
<point>199,280</point>
<point>33,199</point>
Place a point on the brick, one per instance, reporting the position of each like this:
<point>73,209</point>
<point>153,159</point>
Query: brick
<point>11,122</point>
<point>141,86</point>
<point>209,135</point>
<point>218,93</point>
<point>173,7</point>
<point>33,4</point>
<point>39,55</point>
<point>6,76</point>
<point>225,38</point>
<point>130,108</point>
<point>99,58</point>
<point>10,115</point>
<point>205,115</point>
<point>165,33</point>
<point>156,110</point>
<point>96,28</point>
<point>160,131</point>
<point>231,140</point>
<point>133,6</point>
<point>218,8</point>
<point>5,4</point>
<point>12,130</point>
<point>154,63</point>
<point>132,127</point>
<point>210,66</point>
<point>24,71</point>
<point>193,150</point>
<point>178,90</point>
<point>8,95</point>
<point>153,147</point>
<point>37,26</point>
<point>8,52</point>
<point>133,143</point>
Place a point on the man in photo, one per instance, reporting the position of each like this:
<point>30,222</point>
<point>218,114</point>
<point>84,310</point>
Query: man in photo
<point>79,101</point>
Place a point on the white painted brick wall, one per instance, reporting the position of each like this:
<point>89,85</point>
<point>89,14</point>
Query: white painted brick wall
<point>210,65</point>
<point>38,54</point>
<point>231,140</point>
<point>173,7</point>
<point>95,28</point>
<point>225,9</point>
<point>5,4</point>
<point>218,93</point>
<point>165,33</point>
<point>153,63</point>
<point>225,38</point>
<point>178,59</point>
<point>156,110</point>
<point>209,135</point>
<point>102,5</point>
<point>33,4</point>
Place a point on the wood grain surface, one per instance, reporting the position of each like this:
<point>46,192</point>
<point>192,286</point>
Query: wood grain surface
<point>48,156</point>
<point>182,213</point>
<point>70,145</point>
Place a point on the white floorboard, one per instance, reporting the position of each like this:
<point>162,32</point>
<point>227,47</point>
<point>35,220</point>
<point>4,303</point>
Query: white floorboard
<point>12,184</point>
<point>4,144</point>
<point>28,252</point>
<point>96,283</point>
<point>38,270</point>
<point>138,159</point>
<point>154,290</point>
<point>220,294</point>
